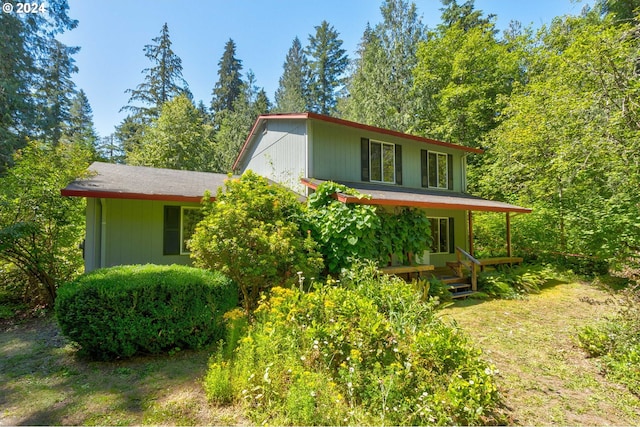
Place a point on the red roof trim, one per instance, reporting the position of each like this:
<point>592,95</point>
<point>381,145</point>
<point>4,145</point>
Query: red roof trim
<point>348,123</point>
<point>130,196</point>
<point>345,198</point>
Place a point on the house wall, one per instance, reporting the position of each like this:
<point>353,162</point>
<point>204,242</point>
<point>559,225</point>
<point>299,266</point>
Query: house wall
<point>280,153</point>
<point>336,155</point>
<point>122,231</point>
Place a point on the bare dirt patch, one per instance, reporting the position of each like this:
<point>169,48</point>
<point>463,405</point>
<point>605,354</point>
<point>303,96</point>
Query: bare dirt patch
<point>546,379</point>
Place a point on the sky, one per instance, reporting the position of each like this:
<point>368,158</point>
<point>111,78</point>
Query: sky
<point>112,34</point>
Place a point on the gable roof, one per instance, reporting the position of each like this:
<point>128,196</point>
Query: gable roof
<point>115,181</point>
<point>328,119</point>
<point>419,198</point>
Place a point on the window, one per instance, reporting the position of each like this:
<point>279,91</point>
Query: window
<point>437,170</point>
<point>190,218</point>
<point>179,225</point>
<point>383,162</point>
<point>441,235</point>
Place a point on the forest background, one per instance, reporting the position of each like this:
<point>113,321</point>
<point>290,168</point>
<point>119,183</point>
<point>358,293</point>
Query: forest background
<point>556,110</point>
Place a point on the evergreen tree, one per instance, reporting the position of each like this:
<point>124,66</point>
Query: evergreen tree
<point>229,84</point>
<point>79,129</point>
<point>27,49</point>
<point>109,149</point>
<point>327,63</point>
<point>380,88</point>
<point>234,125</point>
<point>465,15</point>
<point>291,95</point>
<point>162,82</point>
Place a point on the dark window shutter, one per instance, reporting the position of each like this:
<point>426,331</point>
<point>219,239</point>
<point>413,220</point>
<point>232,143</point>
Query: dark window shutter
<point>450,171</point>
<point>364,158</point>
<point>171,230</point>
<point>398,164</point>
<point>452,242</point>
<point>424,168</point>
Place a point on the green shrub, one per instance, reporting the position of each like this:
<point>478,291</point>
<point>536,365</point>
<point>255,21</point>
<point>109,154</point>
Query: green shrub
<point>120,311</point>
<point>369,351</point>
<point>252,234</point>
<point>515,282</point>
<point>617,340</point>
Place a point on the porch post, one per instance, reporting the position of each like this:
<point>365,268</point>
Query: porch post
<point>471,233</point>
<point>508,234</point>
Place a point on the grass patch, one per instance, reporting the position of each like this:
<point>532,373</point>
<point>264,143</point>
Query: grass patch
<point>44,382</point>
<point>545,378</point>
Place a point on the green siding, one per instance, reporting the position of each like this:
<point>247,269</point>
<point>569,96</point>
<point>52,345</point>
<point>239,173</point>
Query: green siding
<point>134,233</point>
<point>336,154</point>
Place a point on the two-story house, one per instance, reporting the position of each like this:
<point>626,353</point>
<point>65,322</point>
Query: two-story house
<point>303,150</point>
<point>145,215</point>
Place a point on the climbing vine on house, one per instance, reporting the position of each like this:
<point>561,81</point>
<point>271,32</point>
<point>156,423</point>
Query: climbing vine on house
<point>350,231</point>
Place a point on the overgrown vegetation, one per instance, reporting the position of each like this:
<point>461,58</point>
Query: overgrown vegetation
<point>617,340</point>
<point>121,311</point>
<point>353,231</point>
<point>40,231</point>
<point>515,282</point>
<point>368,351</point>
<point>252,233</point>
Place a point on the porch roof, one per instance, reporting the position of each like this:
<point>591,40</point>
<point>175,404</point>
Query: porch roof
<point>420,198</point>
<point>114,181</point>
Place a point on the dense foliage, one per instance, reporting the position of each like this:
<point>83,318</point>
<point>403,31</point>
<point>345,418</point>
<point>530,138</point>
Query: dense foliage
<point>515,282</point>
<point>40,231</point>
<point>121,311</point>
<point>617,340</point>
<point>251,233</point>
<point>369,351</point>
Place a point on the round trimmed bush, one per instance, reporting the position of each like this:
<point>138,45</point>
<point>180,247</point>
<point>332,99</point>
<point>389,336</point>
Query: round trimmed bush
<point>121,311</point>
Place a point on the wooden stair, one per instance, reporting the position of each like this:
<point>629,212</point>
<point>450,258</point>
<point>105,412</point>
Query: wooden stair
<point>458,283</point>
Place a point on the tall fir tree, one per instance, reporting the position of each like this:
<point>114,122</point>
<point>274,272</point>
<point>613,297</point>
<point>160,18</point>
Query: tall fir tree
<point>79,129</point>
<point>57,91</point>
<point>27,42</point>
<point>464,15</point>
<point>291,95</point>
<point>380,87</point>
<point>235,124</point>
<point>162,82</point>
<point>327,64</point>
<point>229,84</point>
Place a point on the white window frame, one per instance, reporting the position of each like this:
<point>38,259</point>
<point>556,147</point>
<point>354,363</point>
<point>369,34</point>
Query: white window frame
<point>382,174</point>
<point>447,235</point>
<point>446,163</point>
<point>183,249</point>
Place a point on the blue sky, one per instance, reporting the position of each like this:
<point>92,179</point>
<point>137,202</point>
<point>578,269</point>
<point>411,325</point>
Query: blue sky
<point>113,33</point>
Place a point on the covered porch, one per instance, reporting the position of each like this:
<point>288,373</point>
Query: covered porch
<point>445,204</point>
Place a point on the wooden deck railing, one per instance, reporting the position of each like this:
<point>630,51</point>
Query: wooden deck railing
<point>465,258</point>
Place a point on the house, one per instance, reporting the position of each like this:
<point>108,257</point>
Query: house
<point>138,214</point>
<point>303,150</point>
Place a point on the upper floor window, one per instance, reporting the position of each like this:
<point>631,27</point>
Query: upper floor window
<point>381,162</point>
<point>437,170</point>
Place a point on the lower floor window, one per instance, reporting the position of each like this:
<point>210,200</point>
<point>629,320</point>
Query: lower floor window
<point>441,229</point>
<point>179,225</point>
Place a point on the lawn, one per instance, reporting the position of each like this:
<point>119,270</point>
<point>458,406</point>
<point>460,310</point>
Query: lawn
<point>544,377</point>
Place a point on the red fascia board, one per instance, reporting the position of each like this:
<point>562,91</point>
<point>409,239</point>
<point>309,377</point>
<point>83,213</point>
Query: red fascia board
<point>414,204</point>
<point>345,198</point>
<point>130,196</point>
<point>342,122</point>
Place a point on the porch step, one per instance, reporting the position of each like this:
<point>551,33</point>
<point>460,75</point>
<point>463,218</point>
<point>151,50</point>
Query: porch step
<point>463,294</point>
<point>454,279</point>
